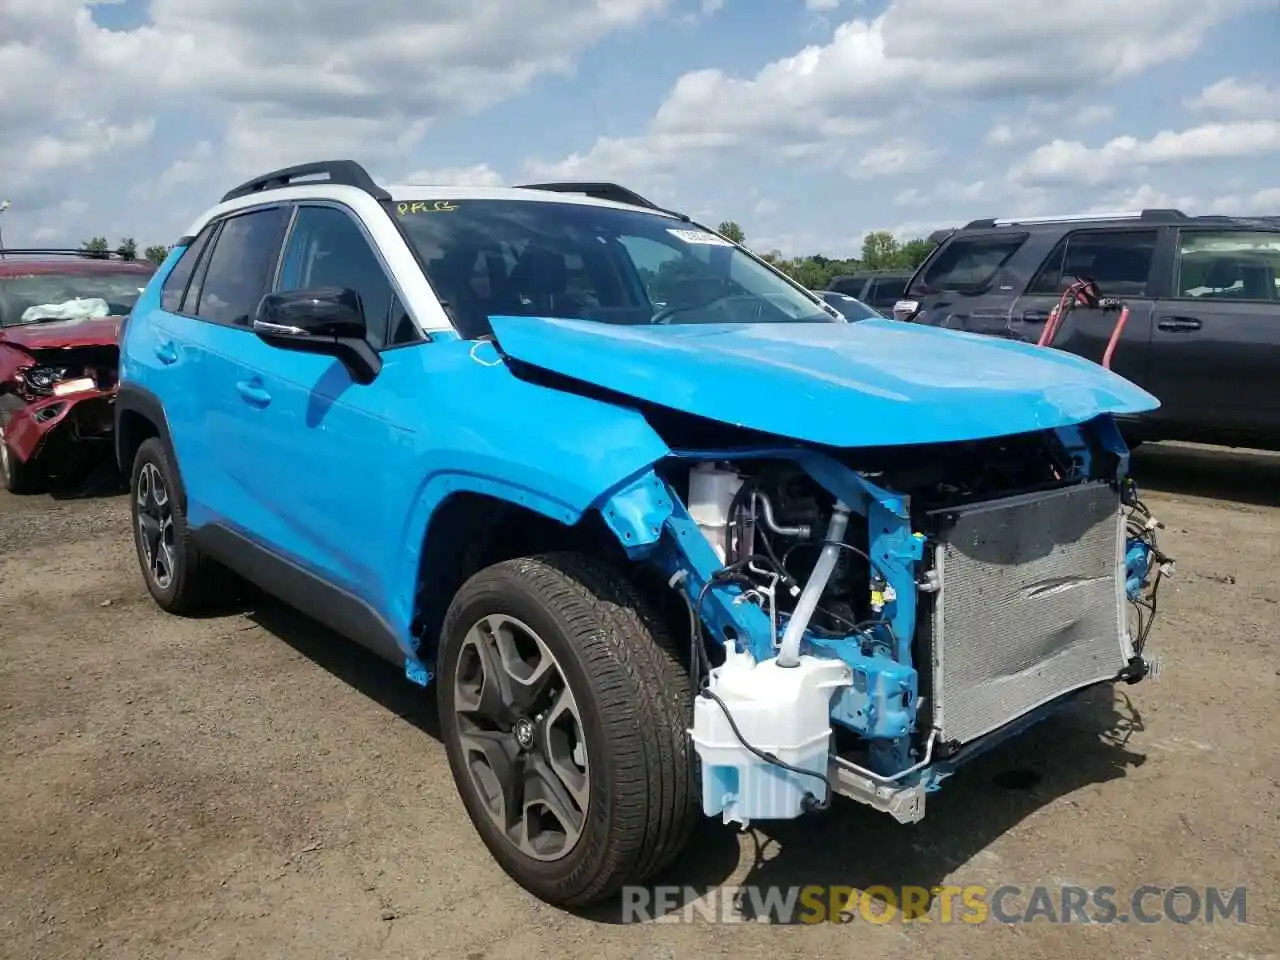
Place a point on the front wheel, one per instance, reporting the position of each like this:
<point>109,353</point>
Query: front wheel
<point>564,710</point>
<point>18,476</point>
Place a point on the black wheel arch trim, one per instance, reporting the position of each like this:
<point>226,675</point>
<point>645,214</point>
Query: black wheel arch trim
<point>132,398</point>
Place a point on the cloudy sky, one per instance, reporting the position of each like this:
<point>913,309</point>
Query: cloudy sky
<point>810,122</point>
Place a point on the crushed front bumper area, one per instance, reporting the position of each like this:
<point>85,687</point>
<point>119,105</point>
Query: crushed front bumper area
<point>1025,603</point>
<point>86,416</point>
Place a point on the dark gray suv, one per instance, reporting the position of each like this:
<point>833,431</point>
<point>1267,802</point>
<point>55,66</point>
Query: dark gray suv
<point>1203,331</point>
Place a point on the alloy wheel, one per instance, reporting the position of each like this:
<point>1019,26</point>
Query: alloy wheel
<point>522,737</point>
<point>155,526</point>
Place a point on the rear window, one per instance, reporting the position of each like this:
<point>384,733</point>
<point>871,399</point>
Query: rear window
<point>967,264</point>
<point>850,286</point>
<point>886,291</point>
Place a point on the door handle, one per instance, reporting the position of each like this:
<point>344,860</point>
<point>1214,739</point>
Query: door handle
<point>166,352</point>
<point>1035,316</point>
<point>1178,323</point>
<point>253,393</point>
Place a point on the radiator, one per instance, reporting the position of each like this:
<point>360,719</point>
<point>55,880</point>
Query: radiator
<point>1030,605</point>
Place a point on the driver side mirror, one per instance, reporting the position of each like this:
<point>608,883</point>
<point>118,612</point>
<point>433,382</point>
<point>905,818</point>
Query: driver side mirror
<point>325,320</point>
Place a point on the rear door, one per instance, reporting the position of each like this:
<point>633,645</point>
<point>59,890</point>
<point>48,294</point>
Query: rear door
<point>1123,263</point>
<point>220,303</point>
<point>1215,348</point>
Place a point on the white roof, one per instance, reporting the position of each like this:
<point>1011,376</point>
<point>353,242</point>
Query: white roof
<point>361,201</point>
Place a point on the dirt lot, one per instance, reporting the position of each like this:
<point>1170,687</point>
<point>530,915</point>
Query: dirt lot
<point>251,786</point>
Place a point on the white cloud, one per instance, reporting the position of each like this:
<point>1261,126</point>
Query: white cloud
<point>1235,97</point>
<point>874,69</point>
<point>288,87</point>
<point>1003,134</point>
<point>1264,202</point>
<point>479,175</point>
<point>821,5</point>
<point>1070,161</point>
<point>896,156</point>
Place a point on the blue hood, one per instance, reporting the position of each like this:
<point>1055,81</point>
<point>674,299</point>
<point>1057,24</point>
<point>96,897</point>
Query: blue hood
<point>877,382</point>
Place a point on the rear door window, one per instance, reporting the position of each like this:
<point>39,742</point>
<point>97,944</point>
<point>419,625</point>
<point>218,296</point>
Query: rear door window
<point>1119,261</point>
<point>241,267</point>
<point>175,285</point>
<point>967,264</point>
<point>1229,265</point>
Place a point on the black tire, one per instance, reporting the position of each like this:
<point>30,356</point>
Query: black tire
<point>18,476</point>
<point>195,582</point>
<point>619,660</point>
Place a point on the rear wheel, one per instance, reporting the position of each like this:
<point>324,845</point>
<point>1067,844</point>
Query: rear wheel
<point>564,710</point>
<point>178,576</point>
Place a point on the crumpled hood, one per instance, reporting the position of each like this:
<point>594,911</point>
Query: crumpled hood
<point>878,382</point>
<point>52,334</point>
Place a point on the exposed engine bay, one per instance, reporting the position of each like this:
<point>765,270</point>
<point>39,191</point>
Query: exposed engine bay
<point>778,512</point>
<point>977,584</point>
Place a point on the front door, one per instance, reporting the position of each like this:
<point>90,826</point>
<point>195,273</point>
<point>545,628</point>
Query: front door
<point>328,449</point>
<point>1121,262</point>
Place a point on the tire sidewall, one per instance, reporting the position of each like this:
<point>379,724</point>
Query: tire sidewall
<point>476,600</point>
<point>153,452</point>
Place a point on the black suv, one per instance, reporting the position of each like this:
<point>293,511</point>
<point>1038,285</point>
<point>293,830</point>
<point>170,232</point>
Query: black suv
<point>1203,332</point>
<point>879,289</point>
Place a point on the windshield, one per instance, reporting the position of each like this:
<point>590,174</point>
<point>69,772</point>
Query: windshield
<point>552,259</point>
<point>850,307</point>
<point>38,297</point>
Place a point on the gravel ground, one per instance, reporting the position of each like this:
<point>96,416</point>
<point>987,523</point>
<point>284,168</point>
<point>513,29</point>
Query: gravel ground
<point>249,785</point>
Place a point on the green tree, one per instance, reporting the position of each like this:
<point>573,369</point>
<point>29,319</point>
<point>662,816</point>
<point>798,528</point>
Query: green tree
<point>879,250</point>
<point>156,255</point>
<point>732,231</point>
<point>128,249</point>
<point>913,252</point>
<point>97,247</point>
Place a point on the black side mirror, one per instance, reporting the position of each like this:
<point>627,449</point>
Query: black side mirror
<point>326,320</point>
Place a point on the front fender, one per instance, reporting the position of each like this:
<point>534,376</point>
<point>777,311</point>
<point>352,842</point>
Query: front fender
<point>554,452</point>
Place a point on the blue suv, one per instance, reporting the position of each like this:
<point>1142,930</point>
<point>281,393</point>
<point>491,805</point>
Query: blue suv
<point>667,534</point>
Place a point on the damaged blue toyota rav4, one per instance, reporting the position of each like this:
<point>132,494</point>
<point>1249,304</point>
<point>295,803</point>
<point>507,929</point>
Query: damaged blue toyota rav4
<point>668,535</point>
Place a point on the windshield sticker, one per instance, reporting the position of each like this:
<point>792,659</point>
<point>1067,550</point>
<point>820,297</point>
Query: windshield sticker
<point>426,206</point>
<point>700,236</point>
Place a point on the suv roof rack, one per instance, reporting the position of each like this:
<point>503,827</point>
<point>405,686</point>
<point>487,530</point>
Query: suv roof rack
<point>1152,214</point>
<point>345,173</point>
<point>603,191</point>
<point>79,252</point>
<point>600,191</point>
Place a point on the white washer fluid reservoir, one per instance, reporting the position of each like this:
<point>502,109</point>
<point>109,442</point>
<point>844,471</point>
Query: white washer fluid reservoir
<point>785,711</point>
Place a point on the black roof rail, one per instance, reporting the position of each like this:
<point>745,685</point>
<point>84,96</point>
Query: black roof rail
<point>1148,215</point>
<point>346,173</point>
<point>80,252</point>
<point>600,191</point>
<point>603,191</point>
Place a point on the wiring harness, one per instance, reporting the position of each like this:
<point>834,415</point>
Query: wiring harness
<point>1141,526</point>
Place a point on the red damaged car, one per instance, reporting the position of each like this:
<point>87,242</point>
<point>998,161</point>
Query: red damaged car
<point>60,319</point>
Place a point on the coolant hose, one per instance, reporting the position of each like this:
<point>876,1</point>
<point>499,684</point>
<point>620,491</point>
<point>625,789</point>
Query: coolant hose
<point>789,653</point>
